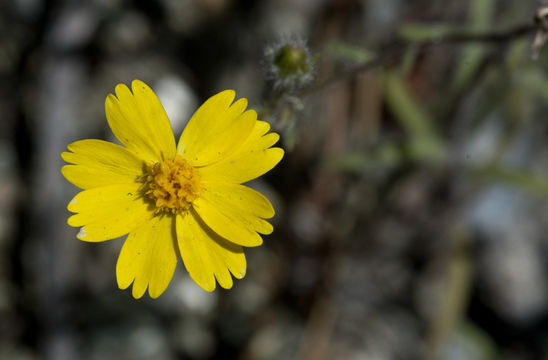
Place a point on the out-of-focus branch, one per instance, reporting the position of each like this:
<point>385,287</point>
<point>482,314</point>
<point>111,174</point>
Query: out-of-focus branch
<point>394,52</point>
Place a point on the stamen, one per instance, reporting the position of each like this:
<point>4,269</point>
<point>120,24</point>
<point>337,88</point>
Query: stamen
<point>172,185</point>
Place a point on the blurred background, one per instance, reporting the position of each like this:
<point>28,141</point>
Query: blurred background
<point>412,212</point>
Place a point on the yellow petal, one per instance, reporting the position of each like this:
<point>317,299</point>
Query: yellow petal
<point>206,255</point>
<point>243,205</point>
<point>140,122</point>
<point>228,225</point>
<point>251,160</point>
<point>148,258</point>
<point>100,163</point>
<point>108,212</point>
<point>216,129</point>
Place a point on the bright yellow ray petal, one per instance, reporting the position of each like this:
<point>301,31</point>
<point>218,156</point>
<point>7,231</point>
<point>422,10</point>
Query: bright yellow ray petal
<point>224,143</point>
<point>216,129</point>
<point>108,212</point>
<point>100,163</point>
<point>140,122</point>
<point>206,255</point>
<point>245,206</point>
<point>148,258</point>
<point>228,225</point>
<point>251,160</point>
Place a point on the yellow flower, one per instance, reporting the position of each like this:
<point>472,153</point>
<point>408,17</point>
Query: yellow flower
<point>170,199</point>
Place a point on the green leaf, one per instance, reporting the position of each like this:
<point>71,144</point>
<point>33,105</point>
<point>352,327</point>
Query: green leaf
<point>408,61</point>
<point>473,343</point>
<point>480,15</point>
<point>535,80</point>
<point>532,183</point>
<point>424,142</point>
<point>357,161</point>
<point>349,52</point>
<point>425,32</point>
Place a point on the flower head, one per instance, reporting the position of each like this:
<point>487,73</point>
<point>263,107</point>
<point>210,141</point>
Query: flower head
<point>289,64</point>
<point>170,199</point>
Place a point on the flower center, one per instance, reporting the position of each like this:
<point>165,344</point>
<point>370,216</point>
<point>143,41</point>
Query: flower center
<point>172,185</point>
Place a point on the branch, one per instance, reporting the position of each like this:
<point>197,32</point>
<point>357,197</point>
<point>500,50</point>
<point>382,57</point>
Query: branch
<point>395,51</point>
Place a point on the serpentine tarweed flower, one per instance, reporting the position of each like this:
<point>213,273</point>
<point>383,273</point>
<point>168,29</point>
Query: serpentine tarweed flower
<point>169,199</point>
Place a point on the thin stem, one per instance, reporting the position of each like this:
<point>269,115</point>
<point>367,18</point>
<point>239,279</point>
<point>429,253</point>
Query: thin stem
<point>395,51</point>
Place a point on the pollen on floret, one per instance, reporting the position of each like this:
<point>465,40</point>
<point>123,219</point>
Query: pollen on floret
<point>172,185</point>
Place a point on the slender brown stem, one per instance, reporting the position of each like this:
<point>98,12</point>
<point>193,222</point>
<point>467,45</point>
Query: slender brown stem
<point>395,51</point>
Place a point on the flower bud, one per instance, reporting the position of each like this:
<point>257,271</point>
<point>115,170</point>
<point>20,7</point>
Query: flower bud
<point>289,64</point>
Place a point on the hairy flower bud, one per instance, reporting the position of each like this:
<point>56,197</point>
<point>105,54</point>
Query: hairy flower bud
<point>289,64</point>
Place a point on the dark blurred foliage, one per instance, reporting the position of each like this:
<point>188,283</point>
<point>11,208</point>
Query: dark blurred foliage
<point>411,204</point>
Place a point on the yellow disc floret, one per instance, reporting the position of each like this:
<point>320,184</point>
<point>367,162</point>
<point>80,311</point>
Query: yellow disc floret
<point>172,185</point>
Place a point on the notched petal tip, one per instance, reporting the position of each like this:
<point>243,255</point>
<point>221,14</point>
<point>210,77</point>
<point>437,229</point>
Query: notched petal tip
<point>74,146</point>
<point>240,104</point>
<point>274,137</point>
<point>82,234</point>
<point>227,283</point>
<point>137,293</point>
<point>154,296</point>
<point>262,127</point>
<point>271,213</point>
<point>75,221</point>
<point>139,88</point>
<point>241,274</point>
<point>258,241</point>
<point>72,206</point>
<point>120,89</point>
<point>279,153</point>
<point>122,285</point>
<point>65,155</point>
<point>267,230</point>
<point>111,98</point>
<point>70,147</point>
<point>136,83</point>
<point>124,279</point>
<point>208,288</point>
<point>250,113</point>
<point>267,209</point>
<point>228,93</point>
<point>155,291</point>
<point>65,168</point>
<point>110,104</point>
